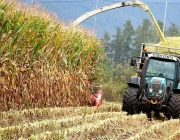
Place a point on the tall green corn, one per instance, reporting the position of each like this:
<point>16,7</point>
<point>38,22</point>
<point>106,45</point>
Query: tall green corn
<point>44,63</point>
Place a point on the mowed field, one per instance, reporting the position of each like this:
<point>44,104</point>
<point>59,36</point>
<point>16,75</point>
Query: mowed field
<point>105,122</point>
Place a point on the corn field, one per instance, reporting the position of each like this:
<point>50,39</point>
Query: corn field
<point>105,122</point>
<point>44,63</point>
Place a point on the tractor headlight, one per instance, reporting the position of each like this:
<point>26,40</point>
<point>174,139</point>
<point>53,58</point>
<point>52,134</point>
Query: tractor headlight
<point>160,91</point>
<point>150,90</point>
<point>154,101</point>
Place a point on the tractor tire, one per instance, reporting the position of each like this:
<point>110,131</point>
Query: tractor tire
<point>129,101</point>
<point>174,106</point>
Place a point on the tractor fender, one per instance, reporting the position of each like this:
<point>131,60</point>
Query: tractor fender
<point>176,91</point>
<point>134,82</point>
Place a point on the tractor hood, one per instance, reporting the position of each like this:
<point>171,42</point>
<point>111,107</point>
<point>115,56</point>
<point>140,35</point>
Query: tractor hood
<point>157,86</point>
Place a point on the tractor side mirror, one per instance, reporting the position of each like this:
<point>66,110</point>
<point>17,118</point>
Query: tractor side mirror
<point>133,62</point>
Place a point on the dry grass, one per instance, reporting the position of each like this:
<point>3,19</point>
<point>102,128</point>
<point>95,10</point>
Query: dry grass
<point>105,122</point>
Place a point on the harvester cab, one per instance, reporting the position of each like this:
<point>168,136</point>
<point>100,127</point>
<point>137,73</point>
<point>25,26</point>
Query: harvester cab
<point>156,89</point>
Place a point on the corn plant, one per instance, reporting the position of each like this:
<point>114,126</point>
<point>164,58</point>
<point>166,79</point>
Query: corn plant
<point>44,63</point>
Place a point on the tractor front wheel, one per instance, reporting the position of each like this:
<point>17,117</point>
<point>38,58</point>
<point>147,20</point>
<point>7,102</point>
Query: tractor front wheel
<point>174,106</point>
<point>129,101</point>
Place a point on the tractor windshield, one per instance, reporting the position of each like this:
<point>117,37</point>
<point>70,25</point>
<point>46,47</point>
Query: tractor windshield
<point>157,68</point>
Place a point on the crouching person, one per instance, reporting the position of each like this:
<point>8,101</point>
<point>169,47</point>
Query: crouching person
<point>96,96</point>
<point>99,98</point>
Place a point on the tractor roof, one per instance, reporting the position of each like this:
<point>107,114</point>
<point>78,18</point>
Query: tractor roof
<point>162,56</point>
<point>162,52</point>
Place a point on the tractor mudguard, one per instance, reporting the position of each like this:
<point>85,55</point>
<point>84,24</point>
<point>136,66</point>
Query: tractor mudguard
<point>176,91</point>
<point>134,82</point>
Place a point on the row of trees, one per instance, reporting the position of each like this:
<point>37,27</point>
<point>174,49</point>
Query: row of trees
<point>127,41</point>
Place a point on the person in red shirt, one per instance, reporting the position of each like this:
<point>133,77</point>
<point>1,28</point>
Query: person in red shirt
<point>96,97</point>
<point>99,98</point>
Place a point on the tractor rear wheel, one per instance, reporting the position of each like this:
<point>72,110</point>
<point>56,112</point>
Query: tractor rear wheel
<point>174,106</point>
<point>129,101</point>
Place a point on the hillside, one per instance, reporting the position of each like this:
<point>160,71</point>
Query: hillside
<point>68,10</point>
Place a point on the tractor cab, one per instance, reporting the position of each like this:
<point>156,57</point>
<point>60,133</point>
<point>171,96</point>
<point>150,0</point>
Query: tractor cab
<point>153,64</point>
<point>157,70</point>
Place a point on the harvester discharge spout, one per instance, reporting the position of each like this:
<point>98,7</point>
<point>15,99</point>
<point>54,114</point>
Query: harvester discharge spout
<point>141,5</point>
<point>119,5</point>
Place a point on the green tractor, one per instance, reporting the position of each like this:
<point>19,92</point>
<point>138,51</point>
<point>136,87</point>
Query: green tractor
<point>156,89</point>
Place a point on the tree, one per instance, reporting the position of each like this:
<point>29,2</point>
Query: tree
<point>173,30</point>
<point>161,24</point>
<point>138,40</point>
<point>107,45</point>
<point>128,33</point>
<point>149,33</point>
<point>116,45</point>
<point>106,40</point>
<point>144,34</point>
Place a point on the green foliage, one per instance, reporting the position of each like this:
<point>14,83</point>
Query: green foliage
<point>122,73</point>
<point>115,87</point>
<point>120,48</point>
<point>161,24</point>
<point>107,46</point>
<point>113,91</point>
<point>127,37</point>
<point>173,30</point>
<point>116,45</point>
<point>144,34</point>
<point>106,71</point>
